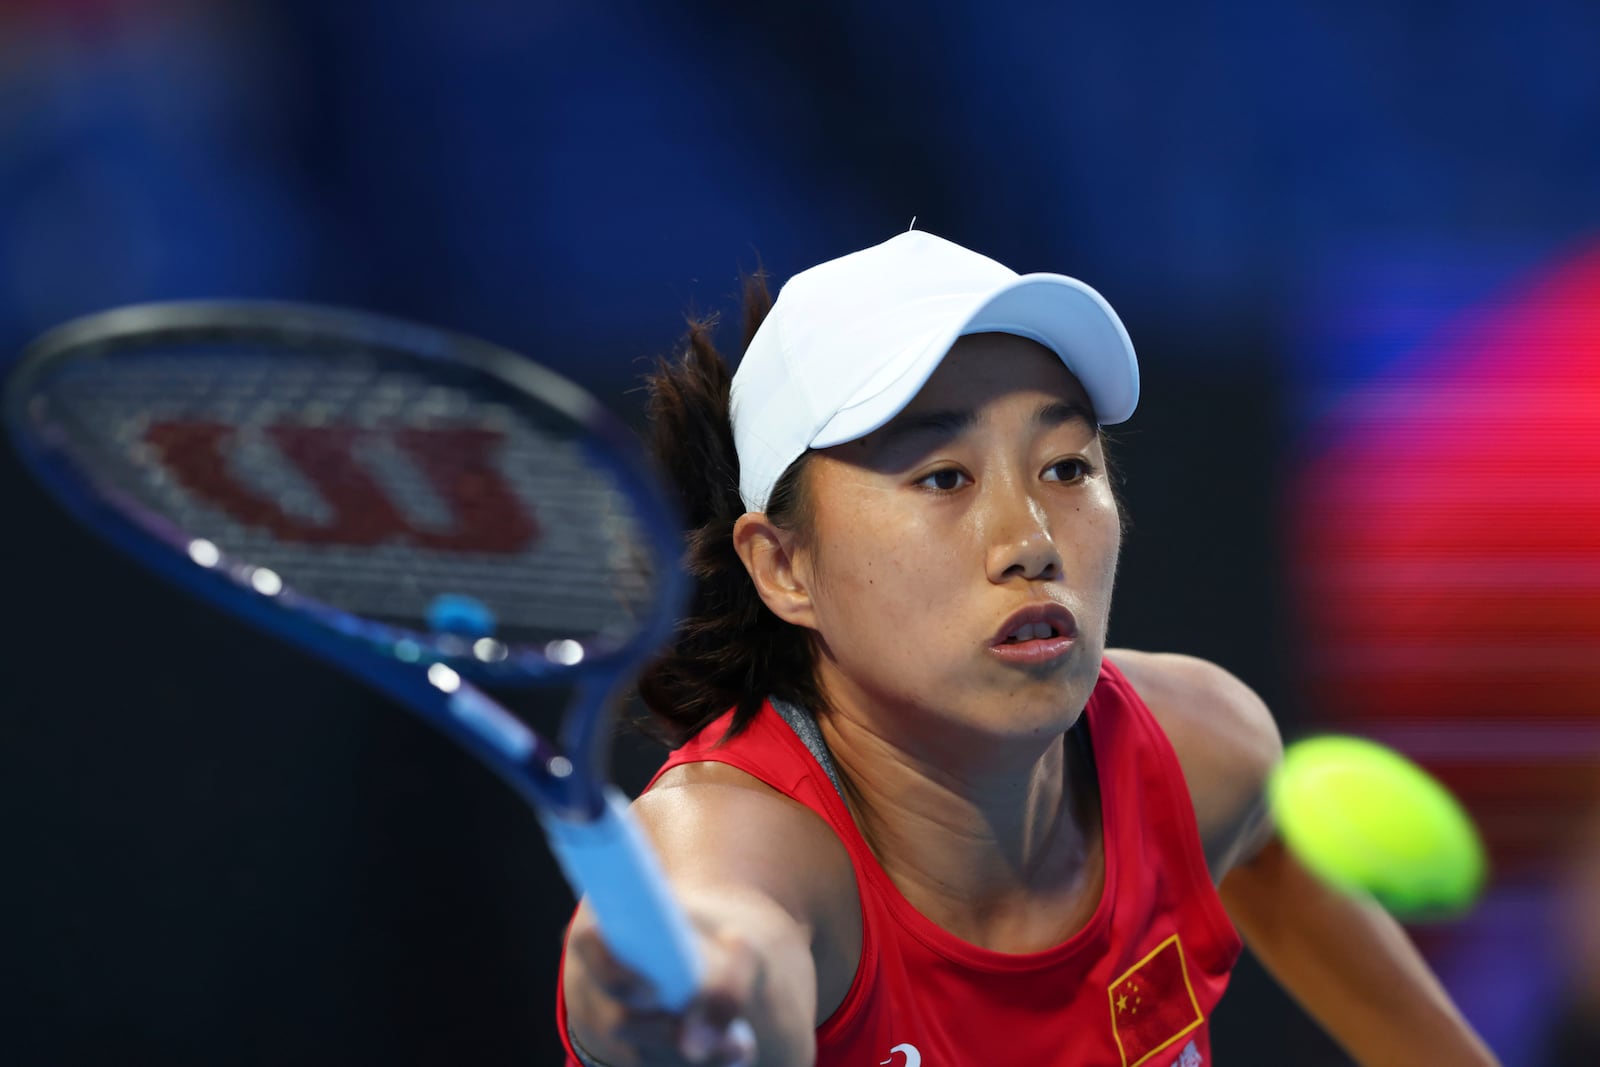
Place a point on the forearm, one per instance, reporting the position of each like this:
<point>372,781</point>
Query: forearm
<point>1349,964</point>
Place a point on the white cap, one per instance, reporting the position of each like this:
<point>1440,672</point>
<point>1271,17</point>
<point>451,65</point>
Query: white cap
<point>850,342</point>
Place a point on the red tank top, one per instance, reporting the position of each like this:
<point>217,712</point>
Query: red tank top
<point>1134,988</point>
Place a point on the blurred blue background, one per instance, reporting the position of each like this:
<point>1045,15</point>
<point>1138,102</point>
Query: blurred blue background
<point>219,852</point>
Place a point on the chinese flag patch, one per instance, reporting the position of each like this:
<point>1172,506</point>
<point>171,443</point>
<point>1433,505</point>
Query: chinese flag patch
<point>1153,1005</point>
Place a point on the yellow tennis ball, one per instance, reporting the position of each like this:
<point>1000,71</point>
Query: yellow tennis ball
<point>1365,819</point>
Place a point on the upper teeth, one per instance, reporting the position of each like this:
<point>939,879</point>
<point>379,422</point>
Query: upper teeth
<point>1031,631</point>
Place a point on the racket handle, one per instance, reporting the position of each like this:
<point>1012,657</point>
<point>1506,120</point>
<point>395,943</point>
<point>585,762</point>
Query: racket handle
<point>611,861</point>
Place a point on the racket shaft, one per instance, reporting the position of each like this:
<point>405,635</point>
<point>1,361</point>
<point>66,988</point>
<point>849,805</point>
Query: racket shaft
<point>611,862</point>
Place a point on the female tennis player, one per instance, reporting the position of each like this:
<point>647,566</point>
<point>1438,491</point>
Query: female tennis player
<point>919,813</point>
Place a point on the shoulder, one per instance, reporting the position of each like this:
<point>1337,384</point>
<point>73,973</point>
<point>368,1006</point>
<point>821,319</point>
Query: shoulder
<point>719,822</point>
<point>1226,741</point>
<point>1200,703</point>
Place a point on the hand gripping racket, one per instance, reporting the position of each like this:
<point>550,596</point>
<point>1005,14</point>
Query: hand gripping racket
<point>416,507</point>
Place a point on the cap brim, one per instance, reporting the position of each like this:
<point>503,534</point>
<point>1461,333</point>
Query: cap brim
<point>1061,313</point>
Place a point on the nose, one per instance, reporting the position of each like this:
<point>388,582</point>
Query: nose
<point>1020,543</point>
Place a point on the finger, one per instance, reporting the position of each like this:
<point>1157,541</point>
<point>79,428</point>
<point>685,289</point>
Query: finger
<point>714,1030</point>
<point>613,977</point>
<point>732,1045</point>
<point>731,972</point>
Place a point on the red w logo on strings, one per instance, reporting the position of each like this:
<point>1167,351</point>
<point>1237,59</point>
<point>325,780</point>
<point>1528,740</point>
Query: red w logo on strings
<point>458,463</point>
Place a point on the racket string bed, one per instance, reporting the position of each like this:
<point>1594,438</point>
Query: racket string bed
<point>368,489</point>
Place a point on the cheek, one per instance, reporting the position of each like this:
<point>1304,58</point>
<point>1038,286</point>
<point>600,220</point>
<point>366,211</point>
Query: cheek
<point>1092,552</point>
<point>879,575</point>
<point>1094,527</point>
<point>883,567</point>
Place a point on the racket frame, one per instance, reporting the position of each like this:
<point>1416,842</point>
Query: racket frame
<point>601,847</point>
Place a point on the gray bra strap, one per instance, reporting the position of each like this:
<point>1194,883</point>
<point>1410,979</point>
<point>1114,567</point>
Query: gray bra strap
<point>805,728</point>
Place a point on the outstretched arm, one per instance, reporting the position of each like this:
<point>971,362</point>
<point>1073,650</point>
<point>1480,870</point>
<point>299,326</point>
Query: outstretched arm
<point>1344,959</point>
<point>1349,964</point>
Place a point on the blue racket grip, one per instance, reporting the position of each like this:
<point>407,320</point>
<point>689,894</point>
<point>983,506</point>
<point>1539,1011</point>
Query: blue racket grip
<point>611,862</point>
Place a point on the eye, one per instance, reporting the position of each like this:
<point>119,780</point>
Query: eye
<point>944,480</point>
<point>1073,469</point>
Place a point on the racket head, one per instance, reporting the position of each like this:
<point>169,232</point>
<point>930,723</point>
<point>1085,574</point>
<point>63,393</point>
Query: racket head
<point>336,475</point>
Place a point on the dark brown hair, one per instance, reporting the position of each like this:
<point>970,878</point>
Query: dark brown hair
<point>729,651</point>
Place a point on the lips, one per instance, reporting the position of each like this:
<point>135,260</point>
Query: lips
<point>1037,635</point>
<point>1035,623</point>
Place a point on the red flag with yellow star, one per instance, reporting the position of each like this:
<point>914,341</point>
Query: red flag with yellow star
<point>1153,1004</point>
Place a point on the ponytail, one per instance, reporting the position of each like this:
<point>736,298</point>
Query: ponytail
<point>729,651</point>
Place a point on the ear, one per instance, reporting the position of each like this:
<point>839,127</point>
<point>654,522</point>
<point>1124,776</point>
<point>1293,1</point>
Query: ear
<point>777,567</point>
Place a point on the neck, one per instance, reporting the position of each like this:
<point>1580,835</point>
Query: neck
<point>1000,846</point>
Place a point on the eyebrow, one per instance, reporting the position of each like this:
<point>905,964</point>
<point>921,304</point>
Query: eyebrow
<point>944,424</point>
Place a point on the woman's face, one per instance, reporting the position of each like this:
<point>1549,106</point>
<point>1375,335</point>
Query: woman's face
<point>987,496</point>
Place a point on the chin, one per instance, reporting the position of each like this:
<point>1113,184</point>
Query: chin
<point>1061,697</point>
<point>1037,715</point>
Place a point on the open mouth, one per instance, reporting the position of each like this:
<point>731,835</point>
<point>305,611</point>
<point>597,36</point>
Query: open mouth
<point>1035,633</point>
<point>1031,631</point>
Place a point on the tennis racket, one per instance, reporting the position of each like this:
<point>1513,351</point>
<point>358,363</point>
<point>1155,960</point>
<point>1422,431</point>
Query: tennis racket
<point>419,508</point>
